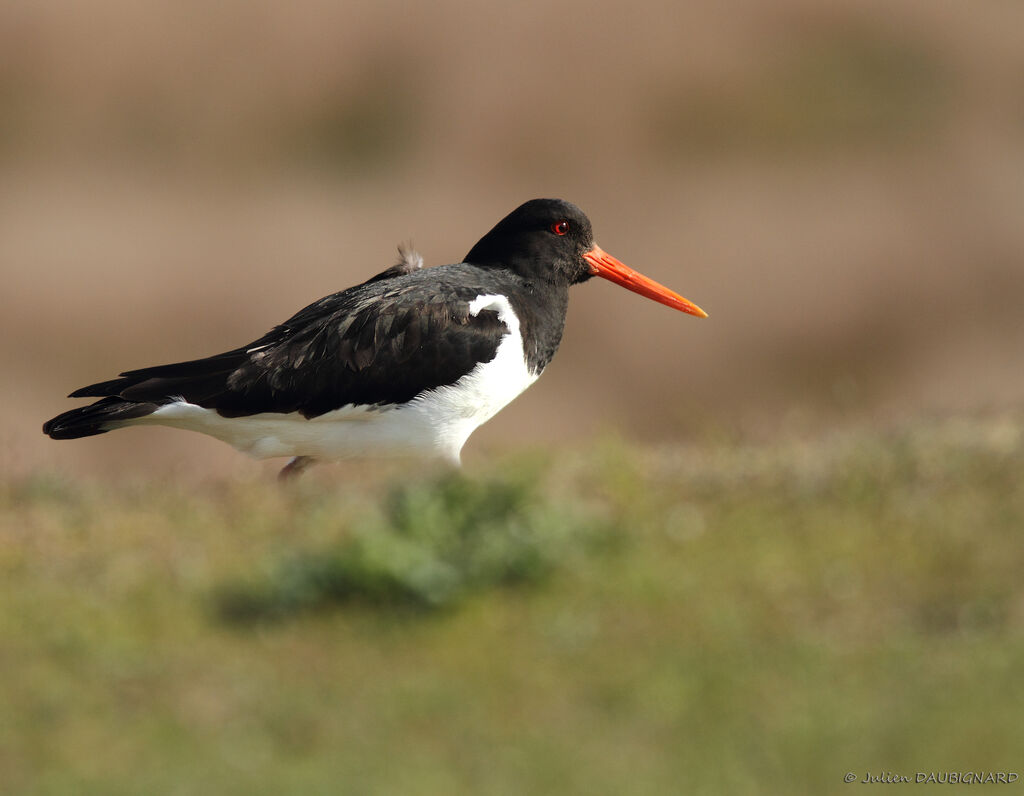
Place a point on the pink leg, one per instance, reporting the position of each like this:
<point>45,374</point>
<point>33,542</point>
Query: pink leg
<point>296,466</point>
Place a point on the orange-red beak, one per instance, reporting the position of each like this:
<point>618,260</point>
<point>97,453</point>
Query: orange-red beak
<point>603,264</point>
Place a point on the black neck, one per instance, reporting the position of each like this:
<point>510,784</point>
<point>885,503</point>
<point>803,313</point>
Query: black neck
<point>541,309</point>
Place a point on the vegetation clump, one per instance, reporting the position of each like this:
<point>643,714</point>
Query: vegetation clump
<point>431,545</point>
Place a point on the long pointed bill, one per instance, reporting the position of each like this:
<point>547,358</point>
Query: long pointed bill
<point>604,265</point>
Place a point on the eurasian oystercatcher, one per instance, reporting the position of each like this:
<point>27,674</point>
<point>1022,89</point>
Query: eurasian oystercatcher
<point>410,361</point>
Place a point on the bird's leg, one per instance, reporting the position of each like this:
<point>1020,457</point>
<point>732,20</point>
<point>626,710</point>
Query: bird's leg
<point>295,466</point>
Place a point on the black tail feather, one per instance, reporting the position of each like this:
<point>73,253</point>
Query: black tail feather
<point>97,418</point>
<point>160,380</point>
<point>102,389</point>
<point>137,393</point>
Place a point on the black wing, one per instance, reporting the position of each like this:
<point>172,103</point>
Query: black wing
<point>381,342</point>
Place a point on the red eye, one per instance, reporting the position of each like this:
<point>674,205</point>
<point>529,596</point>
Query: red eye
<point>560,227</point>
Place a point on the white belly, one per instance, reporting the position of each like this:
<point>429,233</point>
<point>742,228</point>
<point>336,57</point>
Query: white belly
<point>435,423</point>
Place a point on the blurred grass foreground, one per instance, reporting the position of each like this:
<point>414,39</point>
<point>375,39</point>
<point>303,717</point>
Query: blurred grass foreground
<point>717,618</point>
<point>436,542</point>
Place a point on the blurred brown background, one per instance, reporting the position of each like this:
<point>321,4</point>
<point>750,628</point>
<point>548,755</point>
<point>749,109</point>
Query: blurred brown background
<point>840,185</point>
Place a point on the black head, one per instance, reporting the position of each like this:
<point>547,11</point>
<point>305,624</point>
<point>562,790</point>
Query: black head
<point>550,240</point>
<point>543,239</point>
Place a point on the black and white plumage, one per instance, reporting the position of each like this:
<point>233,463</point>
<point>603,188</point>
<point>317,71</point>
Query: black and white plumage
<point>411,361</point>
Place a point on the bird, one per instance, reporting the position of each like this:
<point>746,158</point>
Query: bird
<point>409,362</point>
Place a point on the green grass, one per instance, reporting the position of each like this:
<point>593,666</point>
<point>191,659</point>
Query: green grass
<point>434,543</point>
<point>706,619</point>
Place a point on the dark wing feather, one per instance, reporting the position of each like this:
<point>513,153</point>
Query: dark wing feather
<point>382,342</point>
